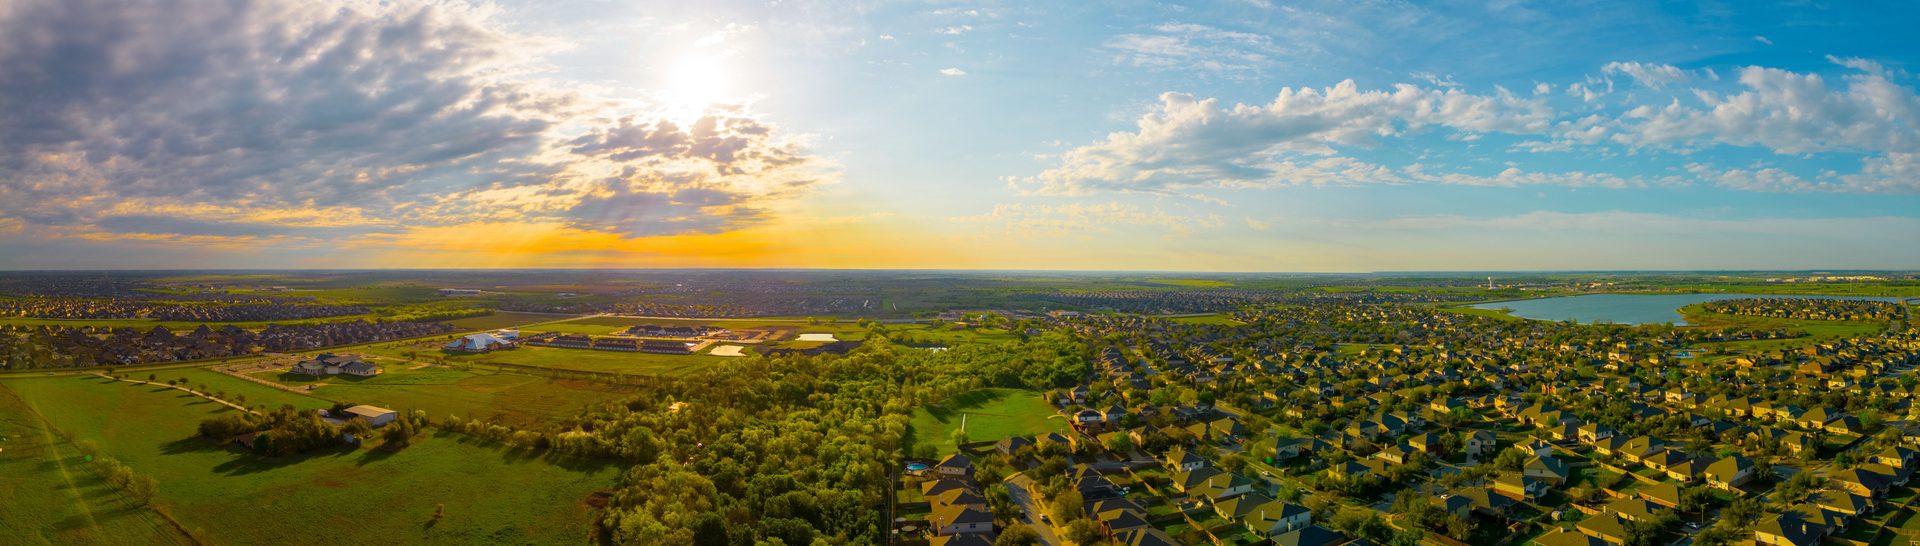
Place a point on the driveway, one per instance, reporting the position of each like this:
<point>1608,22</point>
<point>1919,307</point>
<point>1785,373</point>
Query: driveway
<point>1018,487</point>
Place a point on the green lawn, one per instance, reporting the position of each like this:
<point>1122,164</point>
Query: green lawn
<point>991,414</point>
<point>1490,313</point>
<point>1192,282</point>
<point>505,397</point>
<point>256,393</point>
<point>576,359</point>
<point>501,319</point>
<point>50,495</point>
<point>576,328</point>
<point>345,496</point>
<point>177,326</point>
<point>1214,320</point>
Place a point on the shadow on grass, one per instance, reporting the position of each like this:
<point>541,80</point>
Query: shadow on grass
<point>373,456</point>
<point>190,445</point>
<point>953,407</point>
<point>248,463</point>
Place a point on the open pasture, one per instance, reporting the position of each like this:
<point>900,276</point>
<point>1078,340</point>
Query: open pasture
<point>510,398</point>
<point>492,495</point>
<point>991,414</point>
<point>49,494</point>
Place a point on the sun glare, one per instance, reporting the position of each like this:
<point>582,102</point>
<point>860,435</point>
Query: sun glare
<point>698,81</point>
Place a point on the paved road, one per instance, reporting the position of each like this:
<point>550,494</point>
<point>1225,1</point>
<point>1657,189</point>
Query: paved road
<point>1018,487</point>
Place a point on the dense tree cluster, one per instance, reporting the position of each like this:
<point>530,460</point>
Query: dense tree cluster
<point>1809,309</point>
<point>795,449</point>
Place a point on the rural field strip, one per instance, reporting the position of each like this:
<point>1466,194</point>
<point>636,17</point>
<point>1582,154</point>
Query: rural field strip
<point>181,389</point>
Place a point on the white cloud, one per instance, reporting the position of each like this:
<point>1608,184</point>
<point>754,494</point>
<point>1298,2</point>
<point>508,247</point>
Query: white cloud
<point>1649,223</point>
<point>1189,142</point>
<point>1763,39</point>
<point>218,116</point>
<point>721,35</point>
<point>1788,113</point>
<point>1650,75</point>
<point>953,72</point>
<point>955,29</point>
<point>1257,224</point>
<point>1194,47</point>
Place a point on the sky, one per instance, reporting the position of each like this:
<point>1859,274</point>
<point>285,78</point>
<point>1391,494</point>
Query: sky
<point>1238,135</point>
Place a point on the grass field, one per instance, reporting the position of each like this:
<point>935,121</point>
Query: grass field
<point>1221,320</point>
<point>503,397</point>
<point>1192,283</point>
<point>345,496</point>
<point>256,393</point>
<point>1490,313</point>
<point>503,320</point>
<point>50,495</point>
<point>992,414</point>
<point>176,326</point>
<point>576,328</point>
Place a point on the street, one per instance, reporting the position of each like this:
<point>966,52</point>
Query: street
<point>1018,487</point>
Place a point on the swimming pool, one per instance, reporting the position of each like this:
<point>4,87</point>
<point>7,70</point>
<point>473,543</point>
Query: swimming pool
<point>916,467</point>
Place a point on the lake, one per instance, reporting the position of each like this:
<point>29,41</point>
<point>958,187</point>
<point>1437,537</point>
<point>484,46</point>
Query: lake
<point>1630,308</point>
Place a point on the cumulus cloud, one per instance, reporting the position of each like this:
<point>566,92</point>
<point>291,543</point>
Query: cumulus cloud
<point>1650,75</point>
<point>244,114</point>
<point>1189,142</point>
<point>953,72</point>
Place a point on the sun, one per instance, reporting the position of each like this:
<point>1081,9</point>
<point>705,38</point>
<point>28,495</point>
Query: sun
<point>699,80</point>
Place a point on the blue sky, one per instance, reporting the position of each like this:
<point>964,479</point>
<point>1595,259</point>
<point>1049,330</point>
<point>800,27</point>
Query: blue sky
<point>1246,135</point>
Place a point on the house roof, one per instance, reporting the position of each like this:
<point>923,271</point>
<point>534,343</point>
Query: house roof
<point>1564,537</point>
<point>956,461</point>
<point>955,514</point>
<point>1146,536</point>
<point>961,539</point>
<point>369,411</point>
<point>1311,535</point>
<point>1792,527</point>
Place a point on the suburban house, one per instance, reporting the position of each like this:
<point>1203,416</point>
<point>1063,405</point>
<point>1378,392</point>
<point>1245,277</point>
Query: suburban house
<point>1788,529</point>
<point>329,364</point>
<point>1731,472</point>
<point>1278,518</point>
<point>960,518</point>
<point>955,466</point>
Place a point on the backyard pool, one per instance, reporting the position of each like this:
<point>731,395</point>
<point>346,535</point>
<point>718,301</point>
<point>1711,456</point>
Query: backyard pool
<point>916,467</point>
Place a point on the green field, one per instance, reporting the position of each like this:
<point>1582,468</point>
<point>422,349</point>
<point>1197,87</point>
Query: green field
<point>596,361</point>
<point>1193,283</point>
<point>1217,320</point>
<point>501,319</point>
<point>50,495</point>
<point>1490,313</point>
<point>176,326</point>
<point>576,328</point>
<point>504,397</point>
<point>992,414</point>
<point>346,496</point>
<point>256,393</point>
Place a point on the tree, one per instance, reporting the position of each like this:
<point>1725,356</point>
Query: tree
<point>263,443</point>
<point>358,429</point>
<point>959,437</point>
<point>1067,506</point>
<point>1084,532</point>
<point>1000,502</point>
<point>1120,444</point>
<point>1017,535</point>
